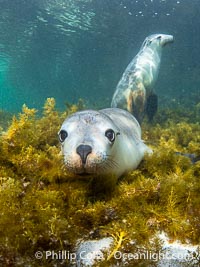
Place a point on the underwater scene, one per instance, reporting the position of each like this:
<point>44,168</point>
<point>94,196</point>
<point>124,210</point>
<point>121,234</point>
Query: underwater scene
<point>99,133</point>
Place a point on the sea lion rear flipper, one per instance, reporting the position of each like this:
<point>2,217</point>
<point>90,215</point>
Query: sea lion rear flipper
<point>151,106</point>
<point>193,157</point>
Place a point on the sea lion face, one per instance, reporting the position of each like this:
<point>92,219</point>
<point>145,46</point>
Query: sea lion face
<point>157,40</point>
<point>88,139</point>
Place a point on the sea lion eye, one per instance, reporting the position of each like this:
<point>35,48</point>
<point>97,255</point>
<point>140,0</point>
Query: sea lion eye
<point>110,134</point>
<point>62,135</point>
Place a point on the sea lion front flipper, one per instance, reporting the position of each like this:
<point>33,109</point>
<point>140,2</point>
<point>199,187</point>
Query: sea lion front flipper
<point>139,100</point>
<point>134,106</point>
<point>151,106</point>
<point>130,102</point>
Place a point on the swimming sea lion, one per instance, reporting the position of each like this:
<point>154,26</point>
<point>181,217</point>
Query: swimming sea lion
<point>134,91</point>
<point>104,142</point>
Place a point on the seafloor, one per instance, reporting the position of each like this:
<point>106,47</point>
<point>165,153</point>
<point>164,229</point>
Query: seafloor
<point>42,208</point>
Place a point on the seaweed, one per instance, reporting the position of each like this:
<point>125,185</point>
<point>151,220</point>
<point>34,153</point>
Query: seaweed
<point>43,208</point>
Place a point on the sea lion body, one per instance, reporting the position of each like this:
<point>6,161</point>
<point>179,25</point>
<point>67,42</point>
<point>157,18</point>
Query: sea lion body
<point>136,85</point>
<point>104,142</point>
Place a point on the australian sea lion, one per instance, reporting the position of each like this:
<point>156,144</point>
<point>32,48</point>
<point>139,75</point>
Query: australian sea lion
<point>134,91</point>
<point>104,142</point>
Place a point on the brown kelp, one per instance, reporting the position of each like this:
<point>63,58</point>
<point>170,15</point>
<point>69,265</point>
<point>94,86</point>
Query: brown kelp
<point>42,208</point>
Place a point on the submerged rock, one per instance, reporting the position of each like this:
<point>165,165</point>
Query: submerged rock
<point>173,254</point>
<point>177,254</point>
<point>92,250</point>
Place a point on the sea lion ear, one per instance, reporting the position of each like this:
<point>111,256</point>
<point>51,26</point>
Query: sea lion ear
<point>159,37</point>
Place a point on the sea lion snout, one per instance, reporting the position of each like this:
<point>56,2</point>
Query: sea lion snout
<point>166,39</point>
<point>83,151</point>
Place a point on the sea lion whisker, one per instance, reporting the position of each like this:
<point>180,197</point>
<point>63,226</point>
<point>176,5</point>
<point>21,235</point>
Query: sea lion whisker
<point>109,158</point>
<point>113,163</point>
<point>109,164</point>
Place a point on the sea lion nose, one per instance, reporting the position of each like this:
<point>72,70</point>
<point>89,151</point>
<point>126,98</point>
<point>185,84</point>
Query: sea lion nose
<point>83,151</point>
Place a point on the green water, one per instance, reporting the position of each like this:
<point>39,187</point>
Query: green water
<point>79,49</point>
